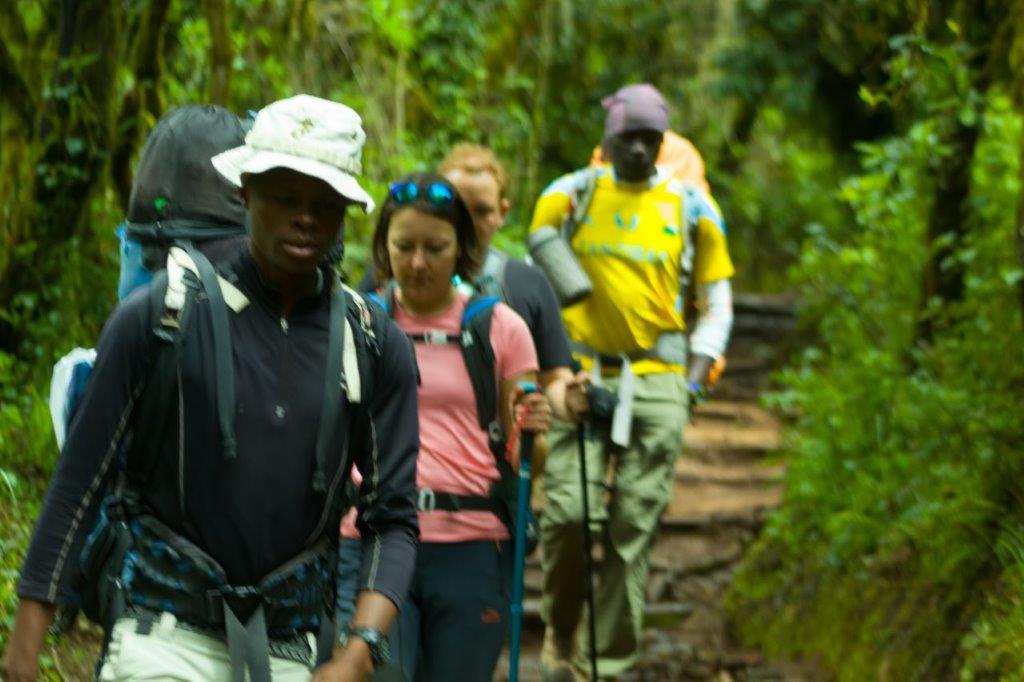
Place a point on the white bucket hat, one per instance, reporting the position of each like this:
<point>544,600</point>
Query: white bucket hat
<point>314,136</point>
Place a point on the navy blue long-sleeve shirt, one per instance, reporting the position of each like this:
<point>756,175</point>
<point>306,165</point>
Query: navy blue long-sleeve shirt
<point>255,512</point>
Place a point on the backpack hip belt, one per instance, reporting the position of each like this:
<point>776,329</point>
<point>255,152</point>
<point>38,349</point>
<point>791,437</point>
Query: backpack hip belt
<point>428,500</point>
<point>165,572</point>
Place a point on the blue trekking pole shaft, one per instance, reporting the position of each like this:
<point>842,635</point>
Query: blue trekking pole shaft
<point>519,554</point>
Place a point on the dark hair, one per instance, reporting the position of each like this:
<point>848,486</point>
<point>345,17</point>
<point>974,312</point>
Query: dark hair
<point>468,260</point>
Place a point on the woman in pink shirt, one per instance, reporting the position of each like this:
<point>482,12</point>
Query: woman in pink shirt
<point>453,622</point>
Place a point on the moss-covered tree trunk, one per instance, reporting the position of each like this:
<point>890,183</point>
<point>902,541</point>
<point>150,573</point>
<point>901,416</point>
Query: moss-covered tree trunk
<point>948,229</point>
<point>218,17</point>
<point>141,105</point>
<point>948,222</point>
<point>69,154</point>
<point>1019,231</point>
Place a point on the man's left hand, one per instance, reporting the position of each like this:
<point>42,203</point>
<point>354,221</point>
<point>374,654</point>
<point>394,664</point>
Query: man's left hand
<point>577,404</point>
<point>697,376</point>
<point>349,664</point>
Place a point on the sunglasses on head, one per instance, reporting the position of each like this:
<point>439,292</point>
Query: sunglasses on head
<point>435,193</point>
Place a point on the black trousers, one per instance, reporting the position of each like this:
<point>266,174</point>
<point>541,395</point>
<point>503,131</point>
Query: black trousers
<point>454,620</point>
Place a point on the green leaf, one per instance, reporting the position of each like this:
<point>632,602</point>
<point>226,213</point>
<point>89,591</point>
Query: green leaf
<point>74,145</point>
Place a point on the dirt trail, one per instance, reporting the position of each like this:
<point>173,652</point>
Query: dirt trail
<point>725,484</point>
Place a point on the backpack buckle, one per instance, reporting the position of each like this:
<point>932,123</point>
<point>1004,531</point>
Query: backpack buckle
<point>426,500</point>
<point>242,601</point>
<point>435,336</point>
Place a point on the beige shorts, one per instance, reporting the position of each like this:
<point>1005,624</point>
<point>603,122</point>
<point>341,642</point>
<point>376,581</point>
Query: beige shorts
<point>173,654</point>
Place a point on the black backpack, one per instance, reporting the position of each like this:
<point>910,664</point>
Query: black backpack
<point>300,594</point>
<point>178,197</point>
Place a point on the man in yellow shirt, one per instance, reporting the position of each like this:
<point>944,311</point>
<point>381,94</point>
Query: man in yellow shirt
<point>677,154</point>
<point>644,237</point>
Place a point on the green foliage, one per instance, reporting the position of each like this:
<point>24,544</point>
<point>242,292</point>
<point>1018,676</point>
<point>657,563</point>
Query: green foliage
<point>904,459</point>
<point>992,648</point>
<point>28,455</point>
<point>824,127</point>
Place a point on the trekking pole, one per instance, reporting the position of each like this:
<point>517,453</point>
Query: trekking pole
<point>519,555</point>
<point>588,543</point>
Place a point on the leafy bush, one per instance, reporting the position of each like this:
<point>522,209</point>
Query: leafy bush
<point>905,459</point>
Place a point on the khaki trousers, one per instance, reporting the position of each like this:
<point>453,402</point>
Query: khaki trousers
<point>173,654</point>
<point>626,514</point>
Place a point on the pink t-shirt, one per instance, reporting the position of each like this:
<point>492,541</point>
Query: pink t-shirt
<point>454,453</point>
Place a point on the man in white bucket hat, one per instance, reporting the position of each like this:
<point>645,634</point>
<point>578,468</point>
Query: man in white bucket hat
<point>316,137</point>
<point>220,554</point>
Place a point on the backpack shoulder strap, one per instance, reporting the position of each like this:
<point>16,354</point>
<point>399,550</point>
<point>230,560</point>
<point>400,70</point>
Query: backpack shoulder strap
<point>184,256</point>
<point>481,363</point>
<point>364,337</point>
<point>475,338</point>
<point>171,301</point>
<point>491,281</point>
<point>691,200</point>
<point>339,348</point>
<point>579,201</point>
<point>170,309</point>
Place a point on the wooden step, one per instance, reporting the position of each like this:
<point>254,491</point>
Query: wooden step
<point>752,519</point>
<point>715,499</point>
<point>691,472</point>
<point>764,436</point>
<point>734,412</point>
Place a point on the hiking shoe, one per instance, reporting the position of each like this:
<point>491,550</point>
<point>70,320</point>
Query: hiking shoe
<point>556,659</point>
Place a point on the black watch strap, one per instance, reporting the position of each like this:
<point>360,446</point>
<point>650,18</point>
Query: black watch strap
<point>377,641</point>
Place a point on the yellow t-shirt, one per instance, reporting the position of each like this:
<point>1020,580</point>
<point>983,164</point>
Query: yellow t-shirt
<point>630,244</point>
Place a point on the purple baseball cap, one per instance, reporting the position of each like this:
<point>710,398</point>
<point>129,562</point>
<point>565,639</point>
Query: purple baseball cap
<point>635,107</point>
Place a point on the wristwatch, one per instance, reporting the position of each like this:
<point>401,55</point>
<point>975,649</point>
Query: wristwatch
<point>377,641</point>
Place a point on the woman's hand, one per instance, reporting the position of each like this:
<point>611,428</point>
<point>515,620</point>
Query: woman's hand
<point>538,411</point>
